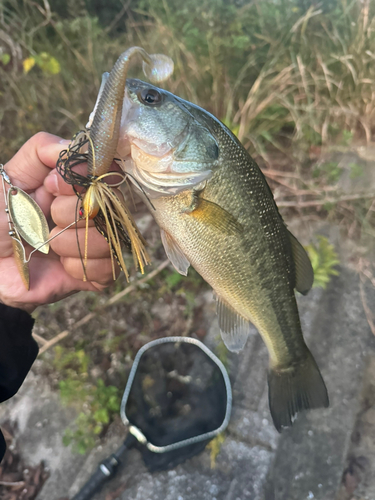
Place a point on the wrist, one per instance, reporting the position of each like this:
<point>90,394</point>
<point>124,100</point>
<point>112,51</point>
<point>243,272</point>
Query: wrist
<point>28,308</point>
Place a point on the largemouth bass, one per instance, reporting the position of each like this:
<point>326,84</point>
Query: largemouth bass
<point>216,212</point>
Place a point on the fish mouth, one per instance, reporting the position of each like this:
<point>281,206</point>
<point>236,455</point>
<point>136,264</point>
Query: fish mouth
<point>160,180</point>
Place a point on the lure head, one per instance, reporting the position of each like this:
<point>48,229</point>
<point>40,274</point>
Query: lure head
<point>90,205</point>
<point>166,144</point>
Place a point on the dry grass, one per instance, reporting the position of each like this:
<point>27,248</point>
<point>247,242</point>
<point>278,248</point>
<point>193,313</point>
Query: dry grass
<point>306,80</point>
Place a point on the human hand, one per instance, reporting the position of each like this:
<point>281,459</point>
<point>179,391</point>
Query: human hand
<point>60,273</point>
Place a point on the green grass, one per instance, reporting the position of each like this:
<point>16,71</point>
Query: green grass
<point>96,402</point>
<point>330,172</point>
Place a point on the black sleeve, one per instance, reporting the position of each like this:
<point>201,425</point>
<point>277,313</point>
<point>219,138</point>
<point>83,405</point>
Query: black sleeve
<point>18,351</point>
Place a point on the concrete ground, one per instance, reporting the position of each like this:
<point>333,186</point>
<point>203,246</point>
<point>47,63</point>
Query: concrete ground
<point>307,461</point>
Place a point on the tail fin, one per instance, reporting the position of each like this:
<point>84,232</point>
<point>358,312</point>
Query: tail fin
<point>294,389</point>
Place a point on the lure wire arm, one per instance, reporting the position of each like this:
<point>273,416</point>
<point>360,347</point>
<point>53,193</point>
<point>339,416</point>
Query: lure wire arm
<point>52,238</point>
<point>5,176</point>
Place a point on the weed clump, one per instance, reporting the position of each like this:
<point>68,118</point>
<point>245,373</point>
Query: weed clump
<point>96,402</point>
<point>324,261</point>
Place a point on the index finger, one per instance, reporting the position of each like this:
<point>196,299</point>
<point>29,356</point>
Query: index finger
<point>56,185</point>
<point>32,163</point>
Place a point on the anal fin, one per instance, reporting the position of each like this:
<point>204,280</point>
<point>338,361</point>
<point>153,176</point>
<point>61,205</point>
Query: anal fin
<point>303,268</point>
<point>234,328</point>
<point>174,253</point>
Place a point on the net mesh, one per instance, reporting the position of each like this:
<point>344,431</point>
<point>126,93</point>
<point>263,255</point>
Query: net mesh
<point>178,392</point>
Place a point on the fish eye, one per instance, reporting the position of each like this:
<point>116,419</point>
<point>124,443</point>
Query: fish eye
<point>151,97</point>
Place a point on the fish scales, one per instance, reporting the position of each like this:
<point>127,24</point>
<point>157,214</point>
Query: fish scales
<point>254,261</point>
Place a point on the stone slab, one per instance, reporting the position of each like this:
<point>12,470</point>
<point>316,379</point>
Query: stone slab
<point>239,474</point>
<point>311,456</point>
<point>358,476</point>
<point>40,423</point>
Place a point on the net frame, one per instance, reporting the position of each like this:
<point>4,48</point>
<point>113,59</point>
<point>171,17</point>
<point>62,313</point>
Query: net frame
<point>138,434</point>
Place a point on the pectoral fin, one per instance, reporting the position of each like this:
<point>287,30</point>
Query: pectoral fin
<point>212,214</point>
<point>234,328</point>
<point>303,268</point>
<point>174,253</point>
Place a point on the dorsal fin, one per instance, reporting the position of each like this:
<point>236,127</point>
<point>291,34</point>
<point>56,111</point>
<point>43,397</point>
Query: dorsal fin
<point>174,253</point>
<point>234,328</point>
<point>303,268</point>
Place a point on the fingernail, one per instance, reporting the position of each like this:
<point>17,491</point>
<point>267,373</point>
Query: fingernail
<point>52,183</point>
<point>64,142</point>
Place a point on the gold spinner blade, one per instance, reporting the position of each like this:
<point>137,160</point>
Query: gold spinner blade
<point>19,257</point>
<point>25,218</point>
<point>28,219</point>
